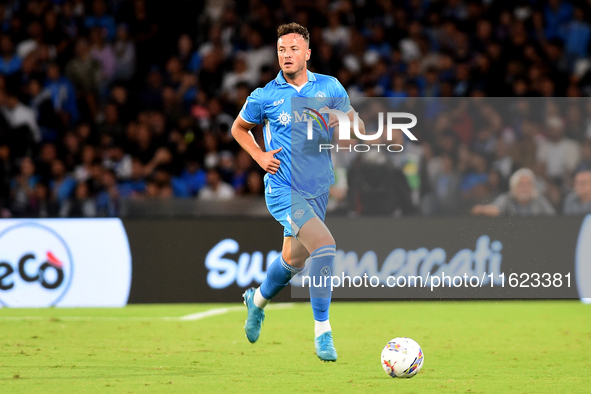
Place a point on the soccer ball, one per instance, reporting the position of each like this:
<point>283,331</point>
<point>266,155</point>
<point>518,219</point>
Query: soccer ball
<point>402,358</point>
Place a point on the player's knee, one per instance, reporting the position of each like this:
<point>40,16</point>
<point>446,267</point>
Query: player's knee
<point>325,240</point>
<point>330,240</point>
<point>295,261</point>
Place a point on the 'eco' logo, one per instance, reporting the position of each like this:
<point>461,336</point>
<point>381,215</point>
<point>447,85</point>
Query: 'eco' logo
<point>35,266</point>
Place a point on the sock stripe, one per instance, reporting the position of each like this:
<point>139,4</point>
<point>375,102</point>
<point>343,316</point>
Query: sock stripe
<point>328,248</point>
<point>289,267</point>
<point>324,254</point>
<point>322,258</point>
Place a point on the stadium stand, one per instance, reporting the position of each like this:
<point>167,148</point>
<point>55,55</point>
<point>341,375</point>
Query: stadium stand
<point>100,107</point>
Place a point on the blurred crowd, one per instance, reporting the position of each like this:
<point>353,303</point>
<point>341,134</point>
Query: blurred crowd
<point>485,155</point>
<point>105,100</point>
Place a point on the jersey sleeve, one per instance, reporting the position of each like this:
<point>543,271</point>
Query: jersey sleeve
<point>252,110</point>
<point>340,98</point>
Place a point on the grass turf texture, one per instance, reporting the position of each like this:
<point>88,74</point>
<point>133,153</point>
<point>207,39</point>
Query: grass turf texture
<point>487,347</point>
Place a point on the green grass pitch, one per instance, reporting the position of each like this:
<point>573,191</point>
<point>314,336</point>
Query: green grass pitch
<point>475,347</point>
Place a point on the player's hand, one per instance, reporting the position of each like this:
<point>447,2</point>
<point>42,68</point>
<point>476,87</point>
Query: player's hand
<point>268,162</point>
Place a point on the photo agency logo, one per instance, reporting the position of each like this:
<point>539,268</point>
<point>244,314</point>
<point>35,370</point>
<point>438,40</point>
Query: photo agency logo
<point>313,117</point>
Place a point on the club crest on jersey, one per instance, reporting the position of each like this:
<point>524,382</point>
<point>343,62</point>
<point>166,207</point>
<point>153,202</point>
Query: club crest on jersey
<point>320,96</point>
<point>284,118</point>
<point>298,214</point>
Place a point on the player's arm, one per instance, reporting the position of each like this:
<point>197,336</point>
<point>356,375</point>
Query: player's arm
<point>333,122</point>
<point>241,132</point>
<point>360,126</point>
<point>486,210</point>
<point>343,103</point>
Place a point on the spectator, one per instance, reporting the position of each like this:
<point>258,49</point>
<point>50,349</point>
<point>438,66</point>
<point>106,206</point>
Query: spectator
<point>82,205</point>
<point>119,162</point>
<point>42,205</point>
<point>216,189</point>
<point>194,177</point>
<point>103,53</point>
<point>5,172</point>
<point>556,14</point>
<point>143,30</point>
<point>168,186</point>
<point>70,149</point>
<point>111,126</point>
<point>100,20</point>
<point>62,185</point>
<point>144,148</point>
<point>254,185</point>
<point>258,54</point>
<point>577,35</point>
<point>523,199</point>
<point>25,132</point>
<point>84,70</point>
<point>243,166</point>
<point>377,187</point>
<point>558,155</point>
<point>69,21</point>
<point>124,51</point>
<point>524,152</point>
<point>54,35</point>
<point>47,154</point>
<point>107,200</point>
<point>585,163</point>
<point>127,110</point>
<point>136,185</point>
<point>23,187</point>
<point>10,63</point>
<point>191,60</point>
<point>32,44</point>
<point>211,74</point>
<point>335,34</point>
<point>239,74</point>
<point>151,96</point>
<point>47,119</point>
<point>475,181</point>
<point>85,73</point>
<point>210,145</point>
<point>83,171</point>
<point>63,95</point>
<point>171,104</point>
<point>445,186</point>
<point>503,162</point>
<point>579,201</point>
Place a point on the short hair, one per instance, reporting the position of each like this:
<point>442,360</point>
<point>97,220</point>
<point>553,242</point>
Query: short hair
<point>514,180</point>
<point>293,27</point>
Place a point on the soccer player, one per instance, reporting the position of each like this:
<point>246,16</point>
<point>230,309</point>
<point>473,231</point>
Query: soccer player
<point>297,181</point>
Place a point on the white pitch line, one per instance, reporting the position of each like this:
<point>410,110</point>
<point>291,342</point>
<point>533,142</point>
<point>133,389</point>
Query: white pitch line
<point>210,312</point>
<point>221,311</point>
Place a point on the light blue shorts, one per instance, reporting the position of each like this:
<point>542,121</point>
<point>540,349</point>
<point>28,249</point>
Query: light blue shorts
<point>292,210</point>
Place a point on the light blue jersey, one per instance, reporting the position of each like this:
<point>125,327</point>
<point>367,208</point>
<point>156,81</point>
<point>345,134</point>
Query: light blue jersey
<point>303,168</point>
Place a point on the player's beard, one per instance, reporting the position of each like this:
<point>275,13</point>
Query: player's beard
<point>293,75</point>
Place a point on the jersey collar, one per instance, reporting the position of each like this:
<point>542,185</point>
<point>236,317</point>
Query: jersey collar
<point>281,79</point>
